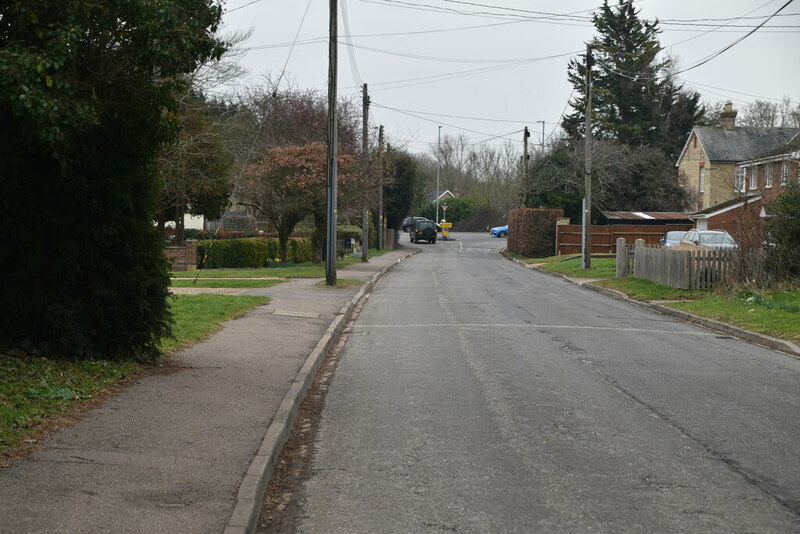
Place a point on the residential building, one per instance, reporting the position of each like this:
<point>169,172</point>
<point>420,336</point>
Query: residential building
<point>710,159</point>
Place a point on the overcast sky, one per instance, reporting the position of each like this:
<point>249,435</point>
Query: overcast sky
<point>488,68</point>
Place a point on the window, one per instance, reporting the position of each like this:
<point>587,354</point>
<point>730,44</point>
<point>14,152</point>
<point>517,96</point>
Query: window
<point>738,179</point>
<point>784,172</point>
<point>753,177</point>
<point>701,184</point>
<point>767,176</point>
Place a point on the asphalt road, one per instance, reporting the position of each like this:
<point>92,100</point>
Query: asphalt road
<point>474,395</point>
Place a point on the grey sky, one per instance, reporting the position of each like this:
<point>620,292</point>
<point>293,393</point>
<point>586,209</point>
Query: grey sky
<point>465,61</point>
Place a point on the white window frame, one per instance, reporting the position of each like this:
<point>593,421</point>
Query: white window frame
<point>738,179</point>
<point>784,172</point>
<point>768,176</point>
<point>753,177</point>
<point>701,181</point>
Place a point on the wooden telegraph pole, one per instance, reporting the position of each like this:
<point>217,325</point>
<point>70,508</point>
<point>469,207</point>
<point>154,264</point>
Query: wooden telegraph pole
<point>365,166</point>
<point>587,181</point>
<point>330,245</point>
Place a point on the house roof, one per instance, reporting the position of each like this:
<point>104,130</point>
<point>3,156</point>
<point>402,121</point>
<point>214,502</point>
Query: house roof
<point>741,144</point>
<point>733,203</point>
<point>791,148</point>
<point>432,196</point>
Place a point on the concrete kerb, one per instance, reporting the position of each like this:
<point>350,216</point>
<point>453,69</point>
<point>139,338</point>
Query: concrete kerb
<point>250,497</point>
<point>752,337</point>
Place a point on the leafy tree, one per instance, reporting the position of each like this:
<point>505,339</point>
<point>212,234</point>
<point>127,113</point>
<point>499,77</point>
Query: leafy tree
<point>624,178</point>
<point>86,99</point>
<point>634,98</point>
<point>399,193</point>
<point>288,185</point>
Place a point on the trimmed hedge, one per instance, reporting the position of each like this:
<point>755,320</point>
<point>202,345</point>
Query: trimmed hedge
<point>532,232</point>
<point>251,252</point>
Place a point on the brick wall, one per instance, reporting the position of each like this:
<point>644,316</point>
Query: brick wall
<point>183,258</point>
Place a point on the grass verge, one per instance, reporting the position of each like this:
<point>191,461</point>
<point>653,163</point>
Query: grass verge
<point>38,394</point>
<point>775,314</point>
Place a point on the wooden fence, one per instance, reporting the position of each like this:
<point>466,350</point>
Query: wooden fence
<point>683,269</point>
<point>604,238</point>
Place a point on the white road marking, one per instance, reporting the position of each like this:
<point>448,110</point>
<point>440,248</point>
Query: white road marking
<point>468,326</point>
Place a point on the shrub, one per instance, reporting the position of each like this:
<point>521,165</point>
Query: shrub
<point>252,252</point>
<point>532,232</point>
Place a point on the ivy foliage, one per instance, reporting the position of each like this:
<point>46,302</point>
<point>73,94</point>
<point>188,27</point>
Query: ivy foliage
<point>86,100</point>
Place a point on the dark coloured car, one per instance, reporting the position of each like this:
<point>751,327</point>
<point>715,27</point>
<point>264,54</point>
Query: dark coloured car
<point>408,223</point>
<point>423,230</point>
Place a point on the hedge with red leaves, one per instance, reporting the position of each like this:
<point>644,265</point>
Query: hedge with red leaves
<point>532,232</point>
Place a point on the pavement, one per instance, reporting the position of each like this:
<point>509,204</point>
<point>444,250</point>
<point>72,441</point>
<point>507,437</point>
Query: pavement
<point>190,449</point>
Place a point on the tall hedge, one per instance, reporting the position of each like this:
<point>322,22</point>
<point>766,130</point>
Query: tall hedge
<point>532,232</point>
<point>251,252</point>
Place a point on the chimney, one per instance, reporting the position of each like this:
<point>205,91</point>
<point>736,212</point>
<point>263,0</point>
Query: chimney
<point>727,118</point>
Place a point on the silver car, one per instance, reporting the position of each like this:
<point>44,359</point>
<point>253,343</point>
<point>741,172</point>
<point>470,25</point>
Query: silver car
<point>716,239</point>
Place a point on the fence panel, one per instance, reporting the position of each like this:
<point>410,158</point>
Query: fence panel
<point>682,269</point>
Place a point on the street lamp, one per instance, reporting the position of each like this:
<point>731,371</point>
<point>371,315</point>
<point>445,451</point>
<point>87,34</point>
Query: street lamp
<point>438,165</point>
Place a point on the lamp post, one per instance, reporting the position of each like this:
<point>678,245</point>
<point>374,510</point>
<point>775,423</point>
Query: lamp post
<point>438,165</point>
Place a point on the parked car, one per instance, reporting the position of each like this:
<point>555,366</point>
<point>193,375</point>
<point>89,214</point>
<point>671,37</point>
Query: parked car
<point>423,230</point>
<point>672,238</point>
<point>716,239</point>
<point>499,231</point>
<point>408,223</point>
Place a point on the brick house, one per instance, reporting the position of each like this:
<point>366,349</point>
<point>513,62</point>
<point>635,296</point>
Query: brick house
<point>709,159</point>
<point>757,182</point>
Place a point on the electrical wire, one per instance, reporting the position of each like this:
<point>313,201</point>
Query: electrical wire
<point>463,117</point>
<point>350,47</point>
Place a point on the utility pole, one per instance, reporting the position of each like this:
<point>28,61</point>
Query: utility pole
<point>587,179</point>
<point>438,165</point>
<point>526,134</point>
<point>330,245</point>
<point>542,144</point>
<point>365,167</point>
<point>381,244</point>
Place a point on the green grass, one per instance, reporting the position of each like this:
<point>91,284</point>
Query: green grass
<point>224,282</point>
<point>778,319</point>
<point>641,289</point>
<point>601,268</point>
<point>35,390</point>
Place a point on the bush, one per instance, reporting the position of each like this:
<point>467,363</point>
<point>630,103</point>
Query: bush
<point>532,232</point>
<point>252,252</point>
<point>783,257</point>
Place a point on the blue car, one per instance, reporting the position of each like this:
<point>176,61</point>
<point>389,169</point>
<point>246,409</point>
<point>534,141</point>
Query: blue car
<point>499,231</point>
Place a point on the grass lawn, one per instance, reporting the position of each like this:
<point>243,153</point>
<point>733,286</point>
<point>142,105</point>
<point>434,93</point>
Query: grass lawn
<point>573,267</point>
<point>641,289</point>
<point>225,282</point>
<point>35,392</point>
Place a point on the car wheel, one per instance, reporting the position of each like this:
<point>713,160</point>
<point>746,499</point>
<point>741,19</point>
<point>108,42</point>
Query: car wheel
<point>501,234</point>
<point>433,241</point>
